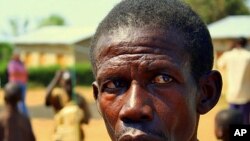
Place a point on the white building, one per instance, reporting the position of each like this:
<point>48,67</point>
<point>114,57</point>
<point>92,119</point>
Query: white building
<point>52,45</point>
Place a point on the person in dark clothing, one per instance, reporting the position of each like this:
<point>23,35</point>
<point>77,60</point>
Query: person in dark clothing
<point>14,126</point>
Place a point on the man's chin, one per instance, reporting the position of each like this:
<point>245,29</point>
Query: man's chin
<point>138,135</point>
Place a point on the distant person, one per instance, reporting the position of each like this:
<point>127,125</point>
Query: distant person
<point>17,73</point>
<point>68,118</point>
<point>14,126</point>
<point>236,64</point>
<point>62,83</point>
<point>223,120</point>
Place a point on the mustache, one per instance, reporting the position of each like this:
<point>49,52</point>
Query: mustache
<point>145,130</point>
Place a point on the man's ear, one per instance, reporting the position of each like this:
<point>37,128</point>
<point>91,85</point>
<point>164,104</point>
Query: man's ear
<point>96,94</point>
<point>210,91</point>
<point>95,89</point>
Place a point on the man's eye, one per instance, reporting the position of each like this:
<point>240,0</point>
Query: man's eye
<point>111,85</point>
<point>114,85</point>
<point>162,79</point>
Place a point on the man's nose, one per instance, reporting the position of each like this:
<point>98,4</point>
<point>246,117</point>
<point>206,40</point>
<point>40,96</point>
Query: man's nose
<point>138,106</point>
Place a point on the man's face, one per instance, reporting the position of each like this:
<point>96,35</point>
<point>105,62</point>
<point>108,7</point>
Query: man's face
<point>144,87</point>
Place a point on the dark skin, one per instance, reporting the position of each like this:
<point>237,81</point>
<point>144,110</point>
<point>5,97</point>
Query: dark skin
<point>222,133</point>
<point>144,88</point>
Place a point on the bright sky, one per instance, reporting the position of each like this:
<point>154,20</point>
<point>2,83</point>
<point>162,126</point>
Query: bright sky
<point>76,12</point>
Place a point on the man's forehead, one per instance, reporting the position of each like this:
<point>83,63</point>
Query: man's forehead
<point>125,42</point>
<point>143,36</point>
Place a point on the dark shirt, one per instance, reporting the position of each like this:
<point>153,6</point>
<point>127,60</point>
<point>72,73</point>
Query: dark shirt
<point>15,127</point>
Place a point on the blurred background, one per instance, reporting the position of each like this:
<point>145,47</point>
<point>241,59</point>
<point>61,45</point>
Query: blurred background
<point>55,34</point>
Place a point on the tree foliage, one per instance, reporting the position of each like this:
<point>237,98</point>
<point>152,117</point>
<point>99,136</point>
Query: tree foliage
<point>52,20</point>
<point>5,55</point>
<point>5,52</point>
<point>212,10</point>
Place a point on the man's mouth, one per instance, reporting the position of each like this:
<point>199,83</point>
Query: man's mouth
<point>138,135</point>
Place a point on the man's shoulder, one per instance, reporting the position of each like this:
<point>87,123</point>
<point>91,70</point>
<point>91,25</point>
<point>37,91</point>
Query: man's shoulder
<point>235,53</point>
<point>245,54</point>
<point>70,108</point>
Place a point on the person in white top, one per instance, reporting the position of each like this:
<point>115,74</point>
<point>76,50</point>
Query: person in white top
<point>236,64</point>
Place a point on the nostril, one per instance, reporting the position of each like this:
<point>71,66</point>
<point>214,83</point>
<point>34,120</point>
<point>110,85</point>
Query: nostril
<point>146,113</point>
<point>136,114</point>
<point>142,118</point>
<point>127,120</point>
<point>145,117</point>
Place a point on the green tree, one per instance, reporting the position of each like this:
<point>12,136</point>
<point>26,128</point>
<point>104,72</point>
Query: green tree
<point>5,52</point>
<point>52,20</point>
<point>212,10</point>
<point>5,55</point>
<point>236,7</point>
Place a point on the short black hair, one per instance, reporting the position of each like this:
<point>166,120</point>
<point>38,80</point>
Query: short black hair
<point>165,14</point>
<point>12,93</point>
<point>227,117</point>
<point>242,41</point>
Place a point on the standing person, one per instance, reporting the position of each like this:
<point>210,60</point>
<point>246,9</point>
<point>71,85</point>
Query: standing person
<point>14,126</point>
<point>62,83</point>
<point>17,73</point>
<point>236,64</point>
<point>67,118</point>
<point>152,61</point>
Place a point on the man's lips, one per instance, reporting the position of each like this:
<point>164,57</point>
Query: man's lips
<point>137,135</point>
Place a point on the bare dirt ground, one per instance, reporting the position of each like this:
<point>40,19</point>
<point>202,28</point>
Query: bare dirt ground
<point>43,125</point>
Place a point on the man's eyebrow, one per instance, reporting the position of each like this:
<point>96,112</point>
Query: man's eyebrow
<point>163,66</point>
<point>106,73</point>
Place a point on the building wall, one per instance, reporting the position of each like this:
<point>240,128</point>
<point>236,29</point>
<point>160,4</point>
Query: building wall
<point>82,54</point>
<point>46,55</point>
<point>82,51</point>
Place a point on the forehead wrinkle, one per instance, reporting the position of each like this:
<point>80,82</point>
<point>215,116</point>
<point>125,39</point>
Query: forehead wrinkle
<point>137,41</point>
<point>106,71</point>
<point>136,61</point>
<point>133,43</point>
<point>128,58</point>
<point>114,50</point>
<point>146,41</point>
<point>129,36</point>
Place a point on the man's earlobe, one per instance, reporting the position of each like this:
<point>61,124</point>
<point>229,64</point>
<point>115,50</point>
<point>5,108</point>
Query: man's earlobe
<point>95,89</point>
<point>210,91</point>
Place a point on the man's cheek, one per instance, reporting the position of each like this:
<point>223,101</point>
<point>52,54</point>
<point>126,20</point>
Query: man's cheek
<point>109,113</point>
